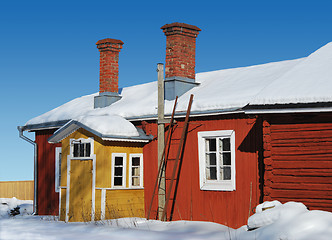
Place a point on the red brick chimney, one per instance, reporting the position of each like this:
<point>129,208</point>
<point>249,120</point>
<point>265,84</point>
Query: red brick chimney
<point>180,49</point>
<point>180,58</point>
<point>109,71</point>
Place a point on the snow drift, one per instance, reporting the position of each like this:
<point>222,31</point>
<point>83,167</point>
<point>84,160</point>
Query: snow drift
<point>272,221</point>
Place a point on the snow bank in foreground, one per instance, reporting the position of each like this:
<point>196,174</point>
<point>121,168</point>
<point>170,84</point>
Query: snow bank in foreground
<point>37,227</point>
<point>272,221</point>
<point>9,204</point>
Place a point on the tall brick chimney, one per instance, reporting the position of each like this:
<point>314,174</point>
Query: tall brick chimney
<point>180,58</point>
<point>109,72</point>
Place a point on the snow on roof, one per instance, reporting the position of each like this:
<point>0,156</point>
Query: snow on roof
<point>107,127</point>
<point>304,80</point>
<point>310,81</point>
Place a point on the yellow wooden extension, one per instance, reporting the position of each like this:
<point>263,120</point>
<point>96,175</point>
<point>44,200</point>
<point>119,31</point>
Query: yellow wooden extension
<point>115,203</point>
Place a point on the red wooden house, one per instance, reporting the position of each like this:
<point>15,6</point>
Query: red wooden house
<point>255,133</point>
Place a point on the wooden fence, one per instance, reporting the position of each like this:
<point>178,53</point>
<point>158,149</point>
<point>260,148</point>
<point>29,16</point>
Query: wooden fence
<point>20,189</point>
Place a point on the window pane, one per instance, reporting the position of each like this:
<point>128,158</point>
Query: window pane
<point>135,161</point>
<point>81,150</point>
<point>118,160</point>
<point>135,171</point>
<point>211,159</point>
<point>213,173</point>
<point>211,145</point>
<point>226,144</point>
<point>87,150</point>
<point>135,181</point>
<point>227,173</point>
<point>117,181</point>
<point>226,158</point>
<point>75,150</point>
<point>60,159</point>
<point>118,171</point>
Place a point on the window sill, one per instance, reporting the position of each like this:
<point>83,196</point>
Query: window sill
<point>227,187</point>
<point>126,188</point>
<point>81,158</point>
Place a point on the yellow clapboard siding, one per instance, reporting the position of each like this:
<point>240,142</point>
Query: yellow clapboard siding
<point>98,205</point>
<point>124,203</point>
<point>64,153</point>
<point>104,160</point>
<point>63,205</point>
<point>20,189</point>
<point>80,196</point>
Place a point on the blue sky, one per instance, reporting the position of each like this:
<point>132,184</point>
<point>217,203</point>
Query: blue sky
<point>48,54</point>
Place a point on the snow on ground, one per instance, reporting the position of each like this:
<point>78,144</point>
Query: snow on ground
<point>8,204</point>
<point>272,221</point>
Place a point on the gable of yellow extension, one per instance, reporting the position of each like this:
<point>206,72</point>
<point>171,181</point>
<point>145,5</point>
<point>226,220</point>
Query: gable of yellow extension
<point>86,189</point>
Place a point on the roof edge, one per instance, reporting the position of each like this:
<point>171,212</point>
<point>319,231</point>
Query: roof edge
<point>45,125</point>
<point>74,125</point>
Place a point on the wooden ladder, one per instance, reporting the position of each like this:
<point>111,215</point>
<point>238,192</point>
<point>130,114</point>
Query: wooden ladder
<point>177,164</point>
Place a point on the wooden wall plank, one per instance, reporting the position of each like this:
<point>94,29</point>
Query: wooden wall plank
<point>47,198</point>
<point>301,159</point>
<point>20,189</point>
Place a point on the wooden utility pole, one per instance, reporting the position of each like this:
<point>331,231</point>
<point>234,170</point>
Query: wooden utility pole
<point>161,138</point>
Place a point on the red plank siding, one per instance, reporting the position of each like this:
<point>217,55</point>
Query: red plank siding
<point>298,159</point>
<point>47,198</point>
<point>225,207</point>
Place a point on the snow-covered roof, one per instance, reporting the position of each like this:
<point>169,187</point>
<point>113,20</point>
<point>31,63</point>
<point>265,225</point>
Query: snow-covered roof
<point>107,127</point>
<point>304,80</point>
<point>310,81</point>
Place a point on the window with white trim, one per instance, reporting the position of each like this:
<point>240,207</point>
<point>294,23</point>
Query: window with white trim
<point>81,148</point>
<point>58,151</point>
<point>136,170</point>
<point>217,160</point>
<point>119,170</point>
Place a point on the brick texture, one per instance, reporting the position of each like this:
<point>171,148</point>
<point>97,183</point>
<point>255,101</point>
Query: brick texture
<point>180,49</point>
<point>109,64</point>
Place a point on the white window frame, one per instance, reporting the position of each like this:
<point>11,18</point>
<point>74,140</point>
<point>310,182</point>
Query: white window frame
<point>58,159</point>
<point>81,140</point>
<point>215,185</point>
<point>139,155</point>
<point>124,169</point>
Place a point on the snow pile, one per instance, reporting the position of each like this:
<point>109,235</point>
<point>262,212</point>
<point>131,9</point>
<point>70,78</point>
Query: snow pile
<point>291,220</point>
<point>13,206</point>
<point>111,125</point>
<point>276,211</point>
<point>272,221</point>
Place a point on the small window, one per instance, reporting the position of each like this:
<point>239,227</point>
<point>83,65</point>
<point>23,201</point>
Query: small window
<point>136,170</point>
<point>118,170</point>
<point>82,148</point>
<point>217,160</point>
<point>57,168</point>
